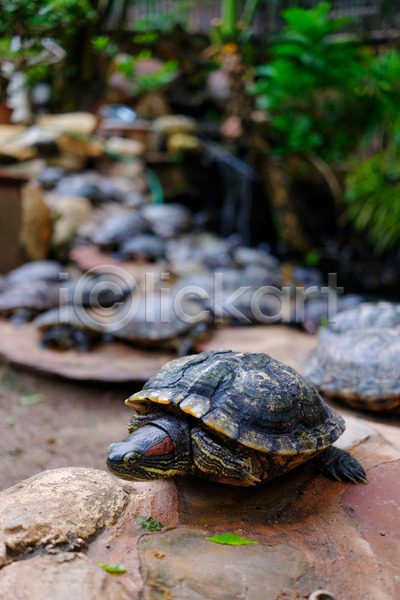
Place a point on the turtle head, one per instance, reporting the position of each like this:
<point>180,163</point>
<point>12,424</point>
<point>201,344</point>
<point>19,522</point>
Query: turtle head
<point>154,451</point>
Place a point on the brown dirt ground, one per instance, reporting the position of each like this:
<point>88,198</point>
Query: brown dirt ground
<point>72,425</point>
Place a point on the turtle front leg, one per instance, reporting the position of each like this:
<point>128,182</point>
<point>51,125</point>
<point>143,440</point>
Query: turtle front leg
<point>338,464</point>
<point>218,463</point>
<point>138,421</point>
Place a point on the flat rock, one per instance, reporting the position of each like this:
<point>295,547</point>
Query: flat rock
<point>113,362</point>
<point>79,122</point>
<point>60,506</point>
<point>183,564</point>
<point>60,577</point>
<point>376,510</point>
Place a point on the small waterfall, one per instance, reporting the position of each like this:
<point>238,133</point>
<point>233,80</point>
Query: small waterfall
<point>237,181</point>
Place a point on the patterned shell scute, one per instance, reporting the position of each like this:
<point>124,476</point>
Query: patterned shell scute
<point>250,398</point>
<point>358,364</point>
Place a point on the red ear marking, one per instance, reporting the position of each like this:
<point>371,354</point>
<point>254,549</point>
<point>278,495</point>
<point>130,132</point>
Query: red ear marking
<point>164,447</point>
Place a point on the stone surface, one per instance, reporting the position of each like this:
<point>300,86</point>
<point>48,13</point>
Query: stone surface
<point>79,122</point>
<point>112,362</point>
<point>182,564</point>
<point>60,577</point>
<point>119,542</point>
<point>35,230</point>
<point>376,509</point>
<point>313,533</point>
<point>60,506</point>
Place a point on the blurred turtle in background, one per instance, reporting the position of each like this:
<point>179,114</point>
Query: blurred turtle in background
<point>232,297</point>
<point>167,220</point>
<point>320,307</point>
<point>117,228</point>
<point>367,315</point>
<point>145,246</point>
<point>161,322</point>
<point>359,367</point>
<point>44,270</point>
<point>22,301</point>
<point>65,328</point>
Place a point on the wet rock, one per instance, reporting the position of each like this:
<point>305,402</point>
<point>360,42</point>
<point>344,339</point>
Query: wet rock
<point>183,564</point>
<point>58,507</point>
<point>60,577</point>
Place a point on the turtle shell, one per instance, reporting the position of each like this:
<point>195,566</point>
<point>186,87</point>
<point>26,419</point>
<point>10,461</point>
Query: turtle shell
<point>45,270</point>
<point>155,321</point>
<point>70,316</point>
<point>250,398</point>
<point>167,220</point>
<point>118,227</point>
<point>144,246</point>
<point>359,367</point>
<point>365,316</point>
<point>32,295</point>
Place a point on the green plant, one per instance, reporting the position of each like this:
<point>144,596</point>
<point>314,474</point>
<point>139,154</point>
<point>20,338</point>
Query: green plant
<point>372,199</point>
<point>141,82</point>
<point>231,27</point>
<point>33,35</point>
<point>307,86</point>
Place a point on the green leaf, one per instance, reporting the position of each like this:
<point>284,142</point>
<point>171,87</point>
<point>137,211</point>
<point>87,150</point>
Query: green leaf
<point>149,523</point>
<point>113,567</point>
<point>231,540</point>
<point>31,399</point>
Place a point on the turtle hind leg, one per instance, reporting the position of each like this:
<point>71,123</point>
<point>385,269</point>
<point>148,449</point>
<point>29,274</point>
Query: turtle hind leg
<point>340,465</point>
<point>218,463</point>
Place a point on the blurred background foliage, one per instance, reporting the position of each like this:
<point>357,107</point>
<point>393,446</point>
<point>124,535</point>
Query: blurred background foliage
<point>323,93</point>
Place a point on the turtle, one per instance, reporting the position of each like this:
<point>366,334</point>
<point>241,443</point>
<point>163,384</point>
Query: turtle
<point>167,220</point>
<point>45,270</point>
<point>317,307</point>
<point>23,301</point>
<point>118,227</point>
<point>366,315</point>
<point>145,246</point>
<point>204,250</point>
<point>359,367</point>
<point>49,177</point>
<point>66,328</point>
<point>238,418</point>
<point>231,296</point>
<point>158,321</point>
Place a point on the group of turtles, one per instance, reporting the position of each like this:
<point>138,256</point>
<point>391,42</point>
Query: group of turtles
<point>213,281</point>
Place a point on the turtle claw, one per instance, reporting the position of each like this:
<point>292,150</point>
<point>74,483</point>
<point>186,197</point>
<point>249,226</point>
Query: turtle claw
<point>339,465</point>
